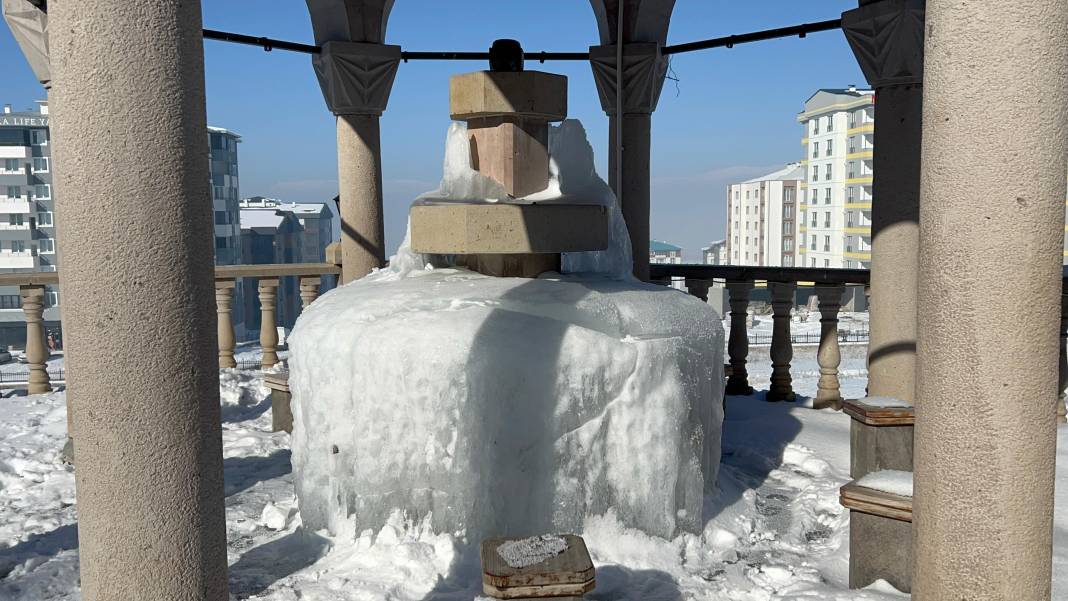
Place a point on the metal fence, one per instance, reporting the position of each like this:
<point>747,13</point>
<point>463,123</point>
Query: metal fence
<point>844,337</point>
<point>22,376</point>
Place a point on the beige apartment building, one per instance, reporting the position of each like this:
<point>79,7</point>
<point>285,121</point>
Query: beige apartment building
<point>762,223</point>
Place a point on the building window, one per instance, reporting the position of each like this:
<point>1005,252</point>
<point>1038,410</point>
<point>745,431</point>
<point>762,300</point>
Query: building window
<point>853,119</point>
<point>816,126</point>
<point>851,193</point>
<point>735,195</point>
<point>51,299</point>
<point>849,218</point>
<point>826,262</point>
<point>829,171</point>
<point>830,122</point>
<point>788,211</point>
<point>788,261</point>
<point>815,150</point>
<point>827,244</point>
<point>852,144</point>
<point>15,219</point>
<point>46,246</point>
<point>812,243</point>
<point>220,243</point>
<point>18,246</point>
<point>827,219</point>
<point>826,196</point>
<point>14,192</point>
<point>788,244</point>
<point>42,191</point>
<point>788,194</point>
<point>788,227</point>
<point>813,261</point>
<point>220,218</point>
<point>44,219</point>
<point>39,137</point>
<point>11,165</point>
<point>10,301</point>
<point>815,173</point>
<point>40,165</point>
<point>830,147</point>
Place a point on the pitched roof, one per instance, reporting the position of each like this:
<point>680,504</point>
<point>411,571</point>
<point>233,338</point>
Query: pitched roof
<point>659,246</point>
<point>790,172</point>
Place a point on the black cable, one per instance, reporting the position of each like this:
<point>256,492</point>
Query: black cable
<point>269,44</point>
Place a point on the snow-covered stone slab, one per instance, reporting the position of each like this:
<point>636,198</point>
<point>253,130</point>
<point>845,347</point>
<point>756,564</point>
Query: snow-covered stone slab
<point>505,406</point>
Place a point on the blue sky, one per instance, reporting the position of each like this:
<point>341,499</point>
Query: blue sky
<point>730,116</point>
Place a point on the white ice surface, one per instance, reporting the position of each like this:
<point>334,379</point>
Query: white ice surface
<point>505,406</point>
<point>895,482</point>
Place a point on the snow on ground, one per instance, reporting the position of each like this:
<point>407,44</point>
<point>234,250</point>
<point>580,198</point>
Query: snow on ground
<point>774,532</point>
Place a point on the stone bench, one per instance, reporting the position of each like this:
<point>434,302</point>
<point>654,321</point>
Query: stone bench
<point>281,411</point>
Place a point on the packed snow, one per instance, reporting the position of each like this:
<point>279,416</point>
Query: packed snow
<point>895,482</point>
<point>527,552</point>
<point>883,402</point>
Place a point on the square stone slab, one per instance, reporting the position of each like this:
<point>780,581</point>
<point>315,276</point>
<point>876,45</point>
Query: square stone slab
<point>498,228</point>
<point>569,574</point>
<point>530,94</point>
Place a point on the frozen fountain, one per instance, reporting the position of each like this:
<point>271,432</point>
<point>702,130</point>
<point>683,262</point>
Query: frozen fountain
<point>505,375</point>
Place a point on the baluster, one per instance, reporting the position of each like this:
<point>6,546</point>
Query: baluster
<point>309,290</point>
<point>224,300</point>
<point>36,351</point>
<point>698,288</point>
<point>268,288</point>
<point>738,343</point>
<point>782,350</point>
<point>1063,381</point>
<point>829,357</point>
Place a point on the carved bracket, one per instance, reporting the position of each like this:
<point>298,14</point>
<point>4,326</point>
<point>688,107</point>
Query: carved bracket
<point>644,69</point>
<point>356,78</point>
<point>29,26</point>
<point>887,39</point>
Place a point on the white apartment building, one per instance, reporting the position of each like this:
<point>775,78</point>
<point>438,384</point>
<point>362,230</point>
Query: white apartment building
<point>762,222</point>
<point>836,198</point>
<point>715,253</point>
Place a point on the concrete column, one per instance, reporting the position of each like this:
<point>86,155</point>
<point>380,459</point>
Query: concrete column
<point>224,300</point>
<point>887,39</point>
<point>995,143</point>
<point>644,69</point>
<point>1062,370</point>
<point>268,289</point>
<point>782,349</point>
<point>829,394</point>
<point>36,349</point>
<point>359,161</point>
<point>309,290</point>
<point>139,317</point>
<point>738,343</point>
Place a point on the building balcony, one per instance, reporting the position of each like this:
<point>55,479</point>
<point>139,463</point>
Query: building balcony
<point>18,260</point>
<point>863,230</point>
<point>14,152</point>
<point>15,206</point>
<point>866,128</point>
<point>8,226</point>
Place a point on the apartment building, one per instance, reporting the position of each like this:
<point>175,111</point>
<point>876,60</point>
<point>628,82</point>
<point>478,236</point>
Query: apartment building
<point>273,231</point>
<point>225,194</point>
<point>715,253</point>
<point>762,218</point>
<point>664,253</point>
<point>836,197</point>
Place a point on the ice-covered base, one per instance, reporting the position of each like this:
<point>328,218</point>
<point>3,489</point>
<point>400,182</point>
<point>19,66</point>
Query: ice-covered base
<point>505,406</point>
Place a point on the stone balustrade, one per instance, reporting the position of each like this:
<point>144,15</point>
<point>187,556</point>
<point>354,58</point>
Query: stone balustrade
<point>782,282</point>
<point>310,276</point>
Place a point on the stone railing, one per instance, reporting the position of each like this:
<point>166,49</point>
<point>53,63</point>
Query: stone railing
<point>782,282</point>
<point>32,291</point>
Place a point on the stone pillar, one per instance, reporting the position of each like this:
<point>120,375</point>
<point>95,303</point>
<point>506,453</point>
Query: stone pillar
<point>887,39</point>
<point>356,72</point>
<point>782,349</point>
<point>644,69</point>
<point>738,343</point>
<point>996,129</point>
<point>36,349</point>
<point>309,290</point>
<point>829,357</point>
<point>268,289</point>
<point>139,319</point>
<point>224,300</point>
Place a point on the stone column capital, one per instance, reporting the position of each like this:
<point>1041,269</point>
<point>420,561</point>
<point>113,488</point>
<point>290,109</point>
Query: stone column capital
<point>29,26</point>
<point>887,38</point>
<point>356,77</point>
<point>644,68</point>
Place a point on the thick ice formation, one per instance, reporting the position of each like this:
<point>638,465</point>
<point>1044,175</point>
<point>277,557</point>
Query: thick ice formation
<point>506,406</point>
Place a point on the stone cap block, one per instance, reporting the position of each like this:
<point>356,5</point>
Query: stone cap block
<point>453,228</point>
<point>528,94</point>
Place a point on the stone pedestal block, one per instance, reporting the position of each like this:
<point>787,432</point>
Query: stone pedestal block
<point>879,548</point>
<point>508,115</point>
<point>481,228</point>
<point>880,438</point>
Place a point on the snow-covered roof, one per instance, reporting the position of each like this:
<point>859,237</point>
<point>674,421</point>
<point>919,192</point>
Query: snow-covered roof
<point>789,172</point>
<point>223,130</point>
<point>253,218</point>
<point>660,246</point>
